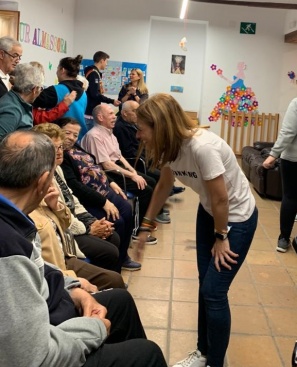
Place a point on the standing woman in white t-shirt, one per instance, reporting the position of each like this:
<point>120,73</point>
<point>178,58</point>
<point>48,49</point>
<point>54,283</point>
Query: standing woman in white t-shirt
<point>226,219</point>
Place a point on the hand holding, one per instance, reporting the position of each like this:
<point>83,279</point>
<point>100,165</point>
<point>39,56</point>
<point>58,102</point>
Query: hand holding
<point>102,228</point>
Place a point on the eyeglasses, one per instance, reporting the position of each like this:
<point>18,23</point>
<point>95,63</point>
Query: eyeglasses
<point>59,147</point>
<point>14,56</point>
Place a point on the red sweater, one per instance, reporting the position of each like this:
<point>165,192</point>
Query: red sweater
<point>40,115</point>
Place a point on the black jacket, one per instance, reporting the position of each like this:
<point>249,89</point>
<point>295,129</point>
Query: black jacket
<point>49,99</point>
<point>93,91</point>
<point>3,88</point>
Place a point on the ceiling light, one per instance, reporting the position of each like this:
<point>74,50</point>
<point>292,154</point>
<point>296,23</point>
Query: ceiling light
<point>183,9</point>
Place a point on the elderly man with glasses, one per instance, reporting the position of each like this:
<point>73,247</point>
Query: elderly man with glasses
<point>16,105</point>
<point>10,55</point>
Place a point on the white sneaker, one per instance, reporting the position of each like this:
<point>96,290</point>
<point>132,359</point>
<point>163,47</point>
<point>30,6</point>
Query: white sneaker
<point>194,359</point>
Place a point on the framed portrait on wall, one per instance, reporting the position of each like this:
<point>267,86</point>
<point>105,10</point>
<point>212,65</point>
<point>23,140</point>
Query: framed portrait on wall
<point>178,64</point>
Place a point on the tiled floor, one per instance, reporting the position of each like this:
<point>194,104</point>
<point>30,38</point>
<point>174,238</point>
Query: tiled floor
<point>263,297</point>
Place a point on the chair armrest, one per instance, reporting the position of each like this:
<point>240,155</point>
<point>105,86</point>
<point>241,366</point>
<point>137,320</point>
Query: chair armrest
<point>140,163</point>
<point>259,145</point>
<point>124,186</point>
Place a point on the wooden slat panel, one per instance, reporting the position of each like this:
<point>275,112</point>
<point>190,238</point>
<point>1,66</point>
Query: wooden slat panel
<point>263,127</point>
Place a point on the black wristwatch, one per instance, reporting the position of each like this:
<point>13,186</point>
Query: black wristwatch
<point>221,236</point>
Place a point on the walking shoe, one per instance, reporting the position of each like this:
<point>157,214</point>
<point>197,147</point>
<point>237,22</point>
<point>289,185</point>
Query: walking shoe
<point>163,218</point>
<point>177,190</point>
<point>149,241</point>
<point>130,265</point>
<point>194,359</point>
<point>283,245</point>
<point>166,211</point>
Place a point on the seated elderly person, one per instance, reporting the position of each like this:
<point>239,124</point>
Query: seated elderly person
<point>96,238</point>
<point>90,184</point>
<point>16,105</point>
<point>103,145</point>
<point>40,320</point>
<point>52,219</point>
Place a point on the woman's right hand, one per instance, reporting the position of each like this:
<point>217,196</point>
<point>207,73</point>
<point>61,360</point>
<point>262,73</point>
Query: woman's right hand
<point>111,210</point>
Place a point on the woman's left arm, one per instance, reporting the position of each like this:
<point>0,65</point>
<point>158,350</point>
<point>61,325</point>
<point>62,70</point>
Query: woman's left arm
<point>220,208</point>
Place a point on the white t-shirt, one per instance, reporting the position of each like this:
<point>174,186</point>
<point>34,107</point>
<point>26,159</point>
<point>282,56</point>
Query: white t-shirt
<point>206,156</point>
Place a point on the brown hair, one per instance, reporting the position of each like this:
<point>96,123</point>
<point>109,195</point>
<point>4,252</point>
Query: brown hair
<point>51,130</point>
<point>170,125</point>
<point>71,65</point>
<point>100,55</point>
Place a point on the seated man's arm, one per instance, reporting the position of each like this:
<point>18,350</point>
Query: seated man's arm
<point>30,339</point>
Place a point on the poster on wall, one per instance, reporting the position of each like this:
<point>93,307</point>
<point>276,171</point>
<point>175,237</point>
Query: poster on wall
<point>116,74</point>
<point>178,64</point>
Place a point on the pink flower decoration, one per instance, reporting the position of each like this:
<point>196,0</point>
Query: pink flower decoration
<point>219,71</point>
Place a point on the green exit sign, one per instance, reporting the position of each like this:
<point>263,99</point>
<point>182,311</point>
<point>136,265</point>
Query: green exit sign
<point>247,28</point>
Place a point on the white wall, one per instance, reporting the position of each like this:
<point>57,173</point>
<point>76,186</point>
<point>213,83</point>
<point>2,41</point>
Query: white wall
<point>123,31</point>
<point>56,17</point>
<point>163,43</point>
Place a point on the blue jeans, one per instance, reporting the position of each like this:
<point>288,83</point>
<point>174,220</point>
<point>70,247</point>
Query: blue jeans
<point>214,318</point>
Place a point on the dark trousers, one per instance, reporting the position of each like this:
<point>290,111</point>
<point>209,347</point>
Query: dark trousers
<point>126,346</point>
<point>100,277</point>
<point>123,225</point>
<point>144,195</point>
<point>289,200</point>
<point>102,253</point>
<point>214,318</point>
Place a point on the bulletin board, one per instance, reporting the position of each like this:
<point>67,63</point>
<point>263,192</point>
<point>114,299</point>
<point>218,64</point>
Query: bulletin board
<point>116,74</point>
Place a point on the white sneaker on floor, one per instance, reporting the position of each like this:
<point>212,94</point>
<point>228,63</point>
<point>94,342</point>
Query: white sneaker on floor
<point>194,359</point>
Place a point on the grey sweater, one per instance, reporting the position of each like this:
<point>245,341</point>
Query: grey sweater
<point>26,337</point>
<point>286,143</point>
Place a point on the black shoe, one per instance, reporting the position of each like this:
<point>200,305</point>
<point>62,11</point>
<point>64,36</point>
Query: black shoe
<point>177,190</point>
<point>283,245</point>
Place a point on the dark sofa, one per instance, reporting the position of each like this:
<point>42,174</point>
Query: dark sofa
<point>267,182</point>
